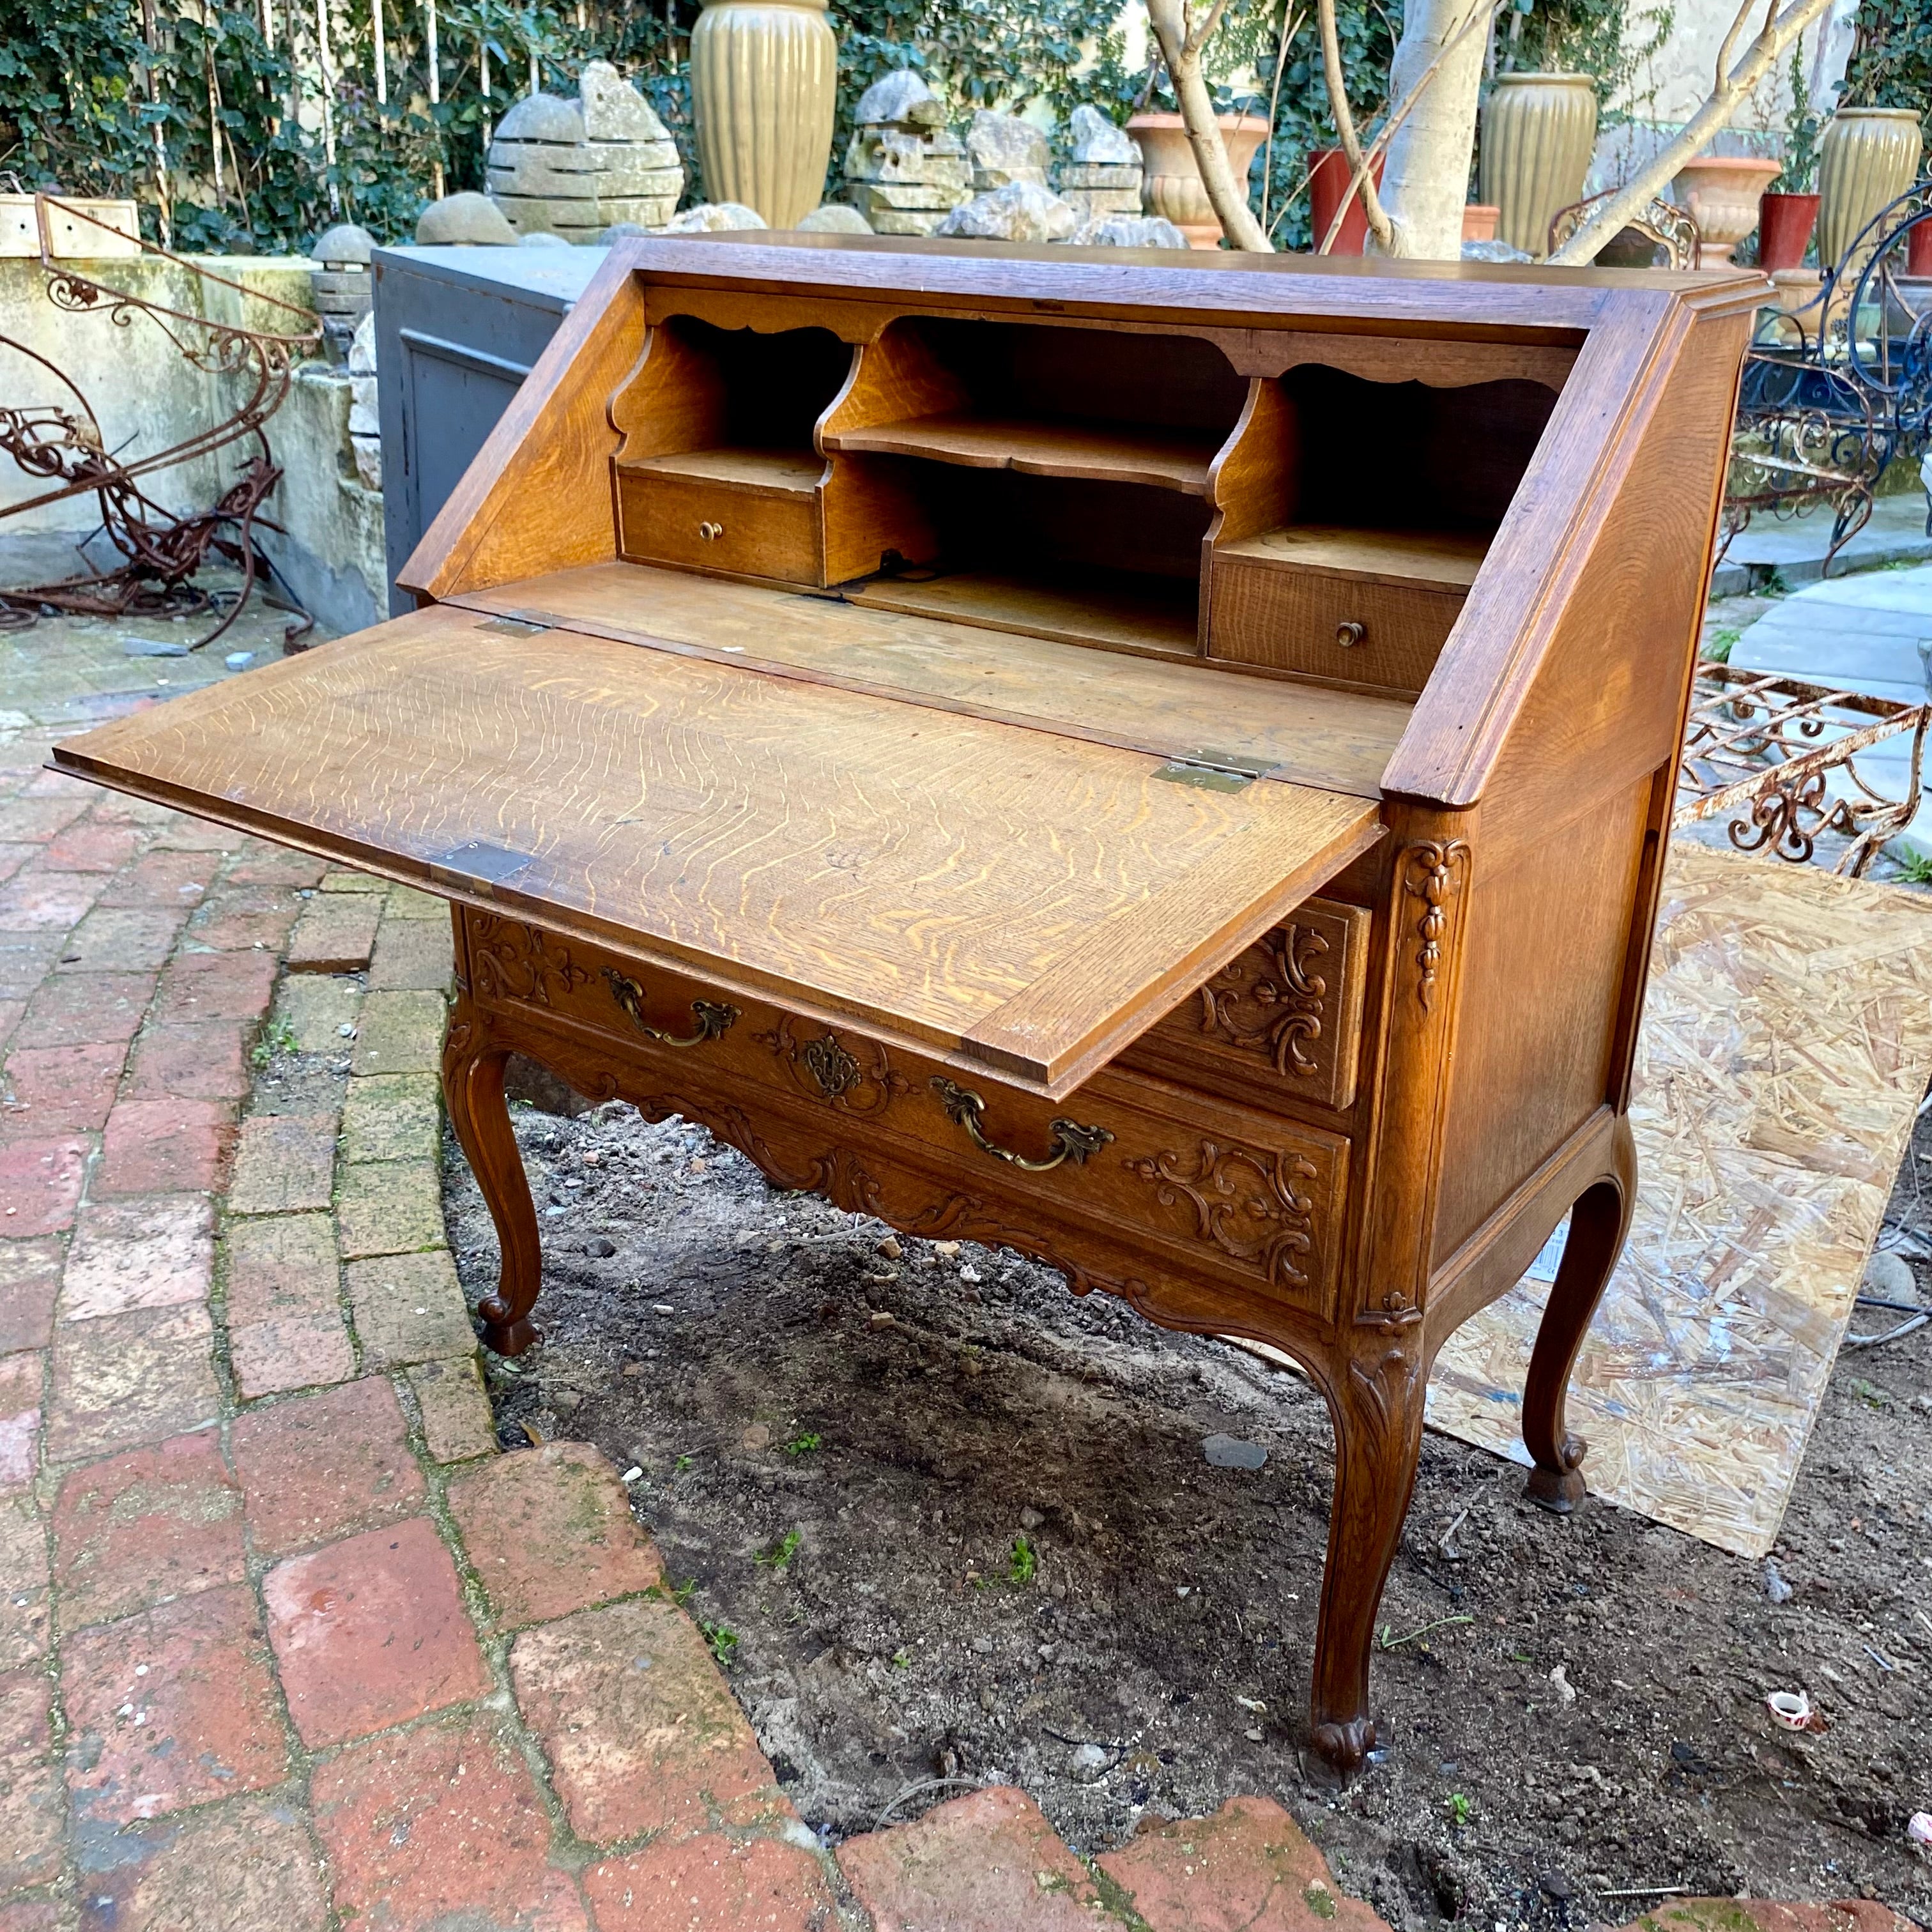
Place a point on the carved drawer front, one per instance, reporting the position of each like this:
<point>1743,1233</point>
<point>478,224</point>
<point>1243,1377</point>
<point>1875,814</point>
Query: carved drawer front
<point>1384,635</point>
<point>1208,1188</point>
<point>1283,1021</point>
<point>708,523</point>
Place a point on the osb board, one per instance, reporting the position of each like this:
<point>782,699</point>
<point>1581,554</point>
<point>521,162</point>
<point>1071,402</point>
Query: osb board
<point>1787,1042</point>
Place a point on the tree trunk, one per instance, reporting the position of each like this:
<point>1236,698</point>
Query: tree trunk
<point>1438,62</point>
<point>1180,45</point>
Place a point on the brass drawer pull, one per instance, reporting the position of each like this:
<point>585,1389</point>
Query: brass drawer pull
<point>710,532</point>
<point>1350,634</point>
<point>712,1017</point>
<point>1071,1141</point>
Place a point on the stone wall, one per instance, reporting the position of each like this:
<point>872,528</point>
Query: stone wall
<point>148,397</point>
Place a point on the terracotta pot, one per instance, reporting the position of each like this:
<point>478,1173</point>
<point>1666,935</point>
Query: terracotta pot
<point>763,89</point>
<point>1539,131</point>
<point>1722,192</point>
<point>1784,226</point>
<point>1329,175</point>
<point>1171,183</point>
<point>1868,156</point>
<point>1919,249</point>
<point>1479,221</point>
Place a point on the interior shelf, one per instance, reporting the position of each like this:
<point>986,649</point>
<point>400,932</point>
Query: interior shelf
<point>789,472</point>
<point>1150,616</point>
<point>1036,446</point>
<point>1427,560</point>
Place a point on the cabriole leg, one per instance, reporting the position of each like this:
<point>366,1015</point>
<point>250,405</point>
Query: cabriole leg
<point>1598,1223</point>
<point>1376,1403</point>
<point>472,1090</point>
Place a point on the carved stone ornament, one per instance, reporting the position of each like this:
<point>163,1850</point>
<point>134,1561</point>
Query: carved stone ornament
<point>1273,1011</point>
<point>1433,873</point>
<point>855,1076</point>
<point>511,960</point>
<point>1244,1201</point>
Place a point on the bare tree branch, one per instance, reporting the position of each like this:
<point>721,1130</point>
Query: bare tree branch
<point>1773,41</point>
<point>1181,49</point>
<point>1363,182</point>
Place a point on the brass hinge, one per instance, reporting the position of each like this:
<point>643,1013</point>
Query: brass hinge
<point>1214,771</point>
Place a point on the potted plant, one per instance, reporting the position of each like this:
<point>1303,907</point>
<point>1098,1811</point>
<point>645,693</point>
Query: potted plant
<point>1171,185</point>
<point>1870,153</point>
<point>1789,211</point>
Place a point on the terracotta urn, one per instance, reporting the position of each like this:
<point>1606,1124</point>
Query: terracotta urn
<point>764,87</point>
<point>1479,221</point>
<point>1329,175</point>
<point>1722,192</point>
<point>1868,156</point>
<point>1539,131</point>
<point>1784,226</point>
<point>1171,183</point>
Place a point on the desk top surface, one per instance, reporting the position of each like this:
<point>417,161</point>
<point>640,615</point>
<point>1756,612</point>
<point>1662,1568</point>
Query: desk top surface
<point>1024,900</point>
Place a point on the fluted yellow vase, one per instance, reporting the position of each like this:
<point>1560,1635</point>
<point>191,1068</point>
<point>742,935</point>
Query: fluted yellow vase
<point>1868,156</point>
<point>763,85</point>
<point>1539,131</point>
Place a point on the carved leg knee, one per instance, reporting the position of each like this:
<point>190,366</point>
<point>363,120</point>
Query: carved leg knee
<point>473,1086</point>
<point>1376,1401</point>
<point>1598,1223</point>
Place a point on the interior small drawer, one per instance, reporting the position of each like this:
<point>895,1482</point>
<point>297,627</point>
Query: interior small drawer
<point>1384,635</point>
<point>705,524</point>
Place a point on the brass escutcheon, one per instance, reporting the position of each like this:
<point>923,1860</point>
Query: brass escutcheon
<point>713,1017</point>
<point>1070,1139</point>
<point>710,532</point>
<point>828,1063</point>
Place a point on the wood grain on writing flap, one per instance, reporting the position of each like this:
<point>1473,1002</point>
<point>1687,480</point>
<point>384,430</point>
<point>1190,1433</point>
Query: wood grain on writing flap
<point>1012,894</point>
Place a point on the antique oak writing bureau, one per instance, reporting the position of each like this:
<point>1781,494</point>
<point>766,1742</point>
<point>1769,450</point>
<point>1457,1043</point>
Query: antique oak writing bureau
<point>1158,761</point>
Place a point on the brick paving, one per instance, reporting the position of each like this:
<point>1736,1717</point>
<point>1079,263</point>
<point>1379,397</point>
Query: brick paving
<point>287,1644</point>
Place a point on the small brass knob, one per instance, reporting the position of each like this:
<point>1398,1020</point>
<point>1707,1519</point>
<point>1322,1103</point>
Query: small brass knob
<point>1350,634</point>
<point>710,532</point>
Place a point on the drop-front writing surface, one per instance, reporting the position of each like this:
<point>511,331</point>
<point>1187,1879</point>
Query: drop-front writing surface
<point>1161,762</point>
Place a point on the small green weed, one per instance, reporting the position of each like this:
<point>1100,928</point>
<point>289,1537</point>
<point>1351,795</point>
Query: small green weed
<point>277,1037</point>
<point>1722,642</point>
<point>682,1463</point>
<point>1867,1393</point>
<point>1025,1561</point>
<point>723,1640</point>
<point>901,1660</point>
<point>681,1595</point>
<point>777,1558</point>
<point>1915,868</point>
<point>804,1445</point>
<point>1460,1809</point>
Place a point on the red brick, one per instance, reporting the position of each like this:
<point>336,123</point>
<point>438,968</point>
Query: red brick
<point>232,918</point>
<point>318,1466</point>
<point>86,1010</point>
<point>35,897</point>
<point>280,1267</point>
<point>61,1089</point>
<point>30,1274</point>
<point>155,1251</point>
<point>987,1862</point>
<point>336,933</point>
<point>443,1828</point>
<point>143,1527</point>
<point>13,857</point>
<point>550,1530</point>
<point>704,1884</point>
<point>641,1731</point>
<point>286,1163</point>
<point>38,820</point>
<point>1734,1914</point>
<point>300,1351</point>
<point>1247,1869</point>
<point>184,832</point>
<point>246,1866</point>
<point>166,1147</point>
<point>129,1378</point>
<point>31,1915</point>
<point>216,986</point>
<point>170,1708</point>
<point>371,1632</point>
<point>263,864</point>
<point>116,939</point>
<point>40,1182</point>
<point>26,958</point>
<point>20,1379</point>
<point>11,1010</point>
<point>204,1060</point>
<point>30,1800</point>
<point>23,1582</point>
<point>172,880</point>
<point>90,846</point>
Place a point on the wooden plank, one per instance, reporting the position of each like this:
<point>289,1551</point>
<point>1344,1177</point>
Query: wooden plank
<point>906,868</point>
<point>1077,607</point>
<point>1431,559</point>
<point>789,472</point>
<point>1306,734</point>
<point>1103,452</point>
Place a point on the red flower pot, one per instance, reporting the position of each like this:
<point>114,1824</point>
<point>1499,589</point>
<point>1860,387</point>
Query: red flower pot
<point>1784,226</point>
<point>1919,249</point>
<point>1330,175</point>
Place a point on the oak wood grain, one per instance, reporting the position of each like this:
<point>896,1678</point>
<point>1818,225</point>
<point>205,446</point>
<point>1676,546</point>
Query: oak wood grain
<point>1356,628</point>
<point>1426,560</point>
<point>1171,459</point>
<point>1148,616</point>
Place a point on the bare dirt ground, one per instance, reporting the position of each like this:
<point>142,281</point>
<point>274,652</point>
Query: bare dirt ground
<point>946,1522</point>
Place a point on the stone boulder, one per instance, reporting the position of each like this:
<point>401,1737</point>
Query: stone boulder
<point>345,243</point>
<point>1102,173</point>
<point>573,167</point>
<point>1004,149</point>
<point>835,218</point>
<point>905,169</point>
<point>1091,138</point>
<point>710,217</point>
<point>1022,210</point>
<point>466,218</point>
<point>1127,231</point>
